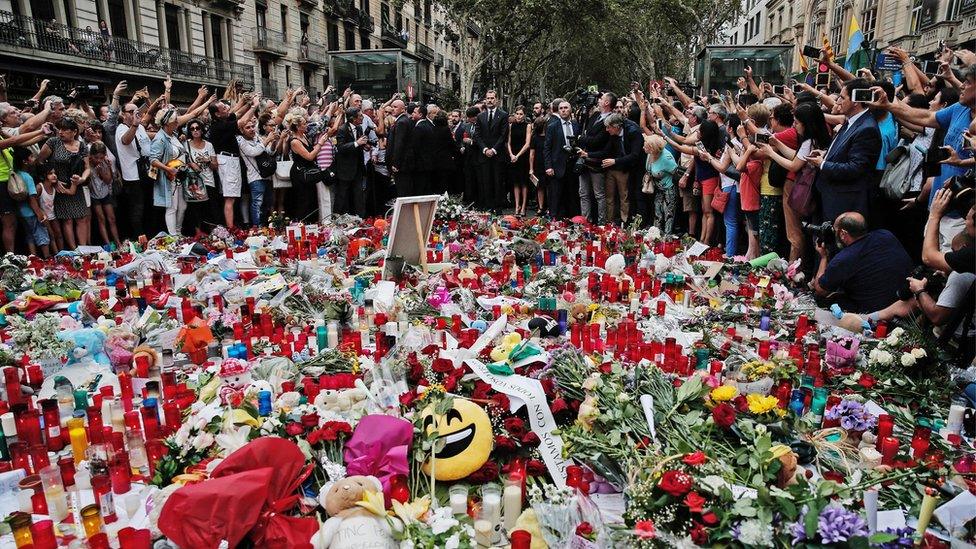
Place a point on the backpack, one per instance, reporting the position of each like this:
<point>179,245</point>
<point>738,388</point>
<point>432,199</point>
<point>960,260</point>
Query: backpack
<point>898,175</point>
<point>16,186</point>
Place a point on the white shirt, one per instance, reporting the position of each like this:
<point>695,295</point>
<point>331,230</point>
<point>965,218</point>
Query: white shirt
<point>249,150</point>
<point>568,130</point>
<point>129,154</point>
<point>207,151</point>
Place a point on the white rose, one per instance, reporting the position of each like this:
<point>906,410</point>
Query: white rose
<point>907,359</point>
<point>623,397</point>
<point>897,332</point>
<point>591,382</point>
<point>884,358</point>
<point>873,355</point>
<point>892,340</point>
<point>919,353</point>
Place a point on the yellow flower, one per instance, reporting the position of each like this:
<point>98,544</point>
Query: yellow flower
<point>373,502</point>
<point>723,393</point>
<point>760,404</point>
<point>411,512</point>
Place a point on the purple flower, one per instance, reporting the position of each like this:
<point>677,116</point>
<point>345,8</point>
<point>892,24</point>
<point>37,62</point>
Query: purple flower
<point>836,525</point>
<point>852,416</point>
<point>904,538</point>
<point>799,530</point>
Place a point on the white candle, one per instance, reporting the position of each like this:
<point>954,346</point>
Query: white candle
<point>333,334</point>
<point>871,509</point>
<point>459,499</point>
<point>482,532</point>
<point>512,497</point>
<point>954,421</point>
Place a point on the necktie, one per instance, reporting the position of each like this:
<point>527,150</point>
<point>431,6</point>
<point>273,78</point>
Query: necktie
<point>491,116</point>
<point>567,130</point>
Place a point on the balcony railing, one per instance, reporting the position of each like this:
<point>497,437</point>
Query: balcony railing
<point>425,51</point>
<point>29,36</point>
<point>394,36</point>
<point>943,31</point>
<point>366,22</point>
<point>313,53</point>
<point>268,41</point>
<point>269,88</point>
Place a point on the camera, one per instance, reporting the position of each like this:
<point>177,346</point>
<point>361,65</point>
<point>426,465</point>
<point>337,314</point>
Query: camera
<point>86,92</point>
<point>587,98</point>
<point>823,233</point>
<point>762,138</point>
<point>936,283</point>
<point>963,191</point>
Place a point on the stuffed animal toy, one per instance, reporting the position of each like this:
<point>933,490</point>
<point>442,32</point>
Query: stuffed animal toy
<point>344,400</point>
<point>119,345</point>
<point>502,350</point>
<point>235,376</point>
<point>89,345</point>
<point>351,524</point>
<point>579,312</point>
<point>788,459</point>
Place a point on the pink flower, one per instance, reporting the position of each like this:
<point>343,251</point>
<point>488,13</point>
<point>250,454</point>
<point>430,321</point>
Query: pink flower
<point>644,529</point>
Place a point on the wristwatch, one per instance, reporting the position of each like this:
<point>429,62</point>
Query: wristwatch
<point>916,294</point>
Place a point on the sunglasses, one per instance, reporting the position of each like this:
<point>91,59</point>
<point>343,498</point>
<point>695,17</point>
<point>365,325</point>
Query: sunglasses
<point>196,128</point>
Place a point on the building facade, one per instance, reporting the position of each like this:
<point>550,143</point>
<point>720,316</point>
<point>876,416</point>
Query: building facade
<point>748,28</point>
<point>918,26</point>
<point>268,45</point>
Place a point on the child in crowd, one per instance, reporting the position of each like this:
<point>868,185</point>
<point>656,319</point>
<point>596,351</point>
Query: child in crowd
<point>32,216</point>
<point>103,204</point>
<point>49,187</point>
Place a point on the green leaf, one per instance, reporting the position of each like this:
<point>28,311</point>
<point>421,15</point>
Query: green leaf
<point>810,523</point>
<point>881,537</point>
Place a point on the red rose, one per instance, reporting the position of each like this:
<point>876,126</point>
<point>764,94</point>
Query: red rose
<point>834,476</point>
<point>294,428</point>
<point>487,473</point>
<point>548,386</point>
<point>694,502</point>
<point>310,420</point>
<point>584,529</point>
<point>605,368</point>
<point>710,518</point>
<point>695,459</point>
<point>406,399</point>
<point>530,439</point>
<point>450,384</point>
<point>430,350</point>
<point>442,365</point>
<point>699,534</point>
<point>741,404</point>
<point>676,483</point>
<point>504,443</point>
<point>724,415</point>
<point>416,372</point>
<point>481,390</point>
<point>500,401</point>
<point>535,467</point>
<point>515,426</point>
<point>867,381</point>
<point>558,405</point>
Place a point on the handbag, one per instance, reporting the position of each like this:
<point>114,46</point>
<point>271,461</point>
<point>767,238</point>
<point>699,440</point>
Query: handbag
<point>719,200</point>
<point>266,164</point>
<point>143,164</point>
<point>282,175</point>
<point>193,187</point>
<point>647,186</point>
<point>801,197</point>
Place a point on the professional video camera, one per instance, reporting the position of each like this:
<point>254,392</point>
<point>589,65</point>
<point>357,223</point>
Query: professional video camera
<point>822,233</point>
<point>587,98</point>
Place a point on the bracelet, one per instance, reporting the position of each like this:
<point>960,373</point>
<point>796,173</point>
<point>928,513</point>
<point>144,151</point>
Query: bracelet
<point>916,294</point>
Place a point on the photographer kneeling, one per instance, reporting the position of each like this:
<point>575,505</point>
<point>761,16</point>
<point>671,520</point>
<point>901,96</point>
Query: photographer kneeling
<point>866,273</point>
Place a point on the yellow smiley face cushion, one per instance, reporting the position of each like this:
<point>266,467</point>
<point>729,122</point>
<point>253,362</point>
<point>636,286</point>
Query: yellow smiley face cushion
<point>465,432</point>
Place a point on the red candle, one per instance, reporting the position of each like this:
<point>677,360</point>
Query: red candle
<point>661,307</point>
<point>889,447</point>
<point>885,426</point>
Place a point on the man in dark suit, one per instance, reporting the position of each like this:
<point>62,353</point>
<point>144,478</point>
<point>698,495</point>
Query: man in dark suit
<point>397,151</point>
<point>472,158</point>
<point>558,156</point>
<point>350,167</point>
<point>421,149</point>
<point>847,168</point>
<point>491,135</point>
<point>458,128</point>
<point>621,156</point>
<point>592,183</point>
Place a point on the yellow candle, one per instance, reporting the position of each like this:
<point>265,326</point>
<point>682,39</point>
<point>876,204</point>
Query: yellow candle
<point>925,512</point>
<point>79,439</point>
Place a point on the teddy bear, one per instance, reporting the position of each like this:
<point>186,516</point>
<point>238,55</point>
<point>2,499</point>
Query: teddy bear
<point>350,525</point>
<point>89,345</point>
<point>579,312</point>
<point>235,376</point>
<point>345,400</point>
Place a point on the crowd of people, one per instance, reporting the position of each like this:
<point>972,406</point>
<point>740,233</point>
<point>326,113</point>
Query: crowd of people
<point>862,178</point>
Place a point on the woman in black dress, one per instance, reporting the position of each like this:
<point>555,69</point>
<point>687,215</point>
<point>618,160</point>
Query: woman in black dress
<point>69,156</point>
<point>537,163</point>
<point>519,134</point>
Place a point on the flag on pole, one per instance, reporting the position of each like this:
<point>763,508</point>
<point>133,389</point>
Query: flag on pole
<point>804,66</point>
<point>856,57</point>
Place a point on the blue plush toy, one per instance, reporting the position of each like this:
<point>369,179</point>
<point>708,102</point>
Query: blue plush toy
<point>89,344</point>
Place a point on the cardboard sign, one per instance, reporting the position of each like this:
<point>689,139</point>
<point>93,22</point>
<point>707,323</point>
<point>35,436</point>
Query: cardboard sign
<point>410,230</point>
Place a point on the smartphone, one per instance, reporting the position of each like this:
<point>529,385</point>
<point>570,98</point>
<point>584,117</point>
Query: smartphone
<point>938,155</point>
<point>823,79</point>
<point>779,90</point>
<point>810,51</point>
<point>797,88</point>
<point>762,138</point>
<point>863,95</point>
<point>930,67</point>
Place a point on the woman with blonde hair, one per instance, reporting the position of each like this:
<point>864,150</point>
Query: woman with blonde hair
<point>164,153</point>
<point>661,166</point>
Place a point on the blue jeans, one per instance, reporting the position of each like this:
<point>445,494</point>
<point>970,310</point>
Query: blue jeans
<point>258,188</point>
<point>731,217</point>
